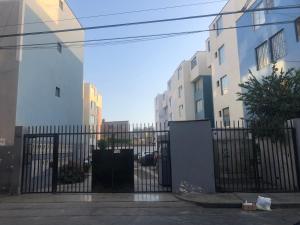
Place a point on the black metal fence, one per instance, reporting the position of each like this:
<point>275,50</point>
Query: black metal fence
<point>254,158</point>
<point>60,158</point>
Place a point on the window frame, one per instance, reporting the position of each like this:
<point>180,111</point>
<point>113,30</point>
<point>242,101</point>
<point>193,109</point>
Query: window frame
<point>57,92</point>
<point>256,55</point>
<point>219,29</point>
<point>219,55</point>
<point>178,72</point>
<point>226,122</point>
<point>271,46</point>
<point>202,105</point>
<point>194,62</point>
<point>180,88</point>
<point>224,91</point>
<point>59,47</point>
<point>180,110</point>
<point>255,26</point>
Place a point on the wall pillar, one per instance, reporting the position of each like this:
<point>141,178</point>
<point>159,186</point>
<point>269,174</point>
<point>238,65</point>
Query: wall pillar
<point>296,124</point>
<point>192,155</point>
<point>11,164</point>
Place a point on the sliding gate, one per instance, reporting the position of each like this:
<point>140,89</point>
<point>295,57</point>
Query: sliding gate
<point>84,159</point>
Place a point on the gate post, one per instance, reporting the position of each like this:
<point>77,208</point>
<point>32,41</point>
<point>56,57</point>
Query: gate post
<point>296,124</point>
<point>11,164</point>
<point>192,157</point>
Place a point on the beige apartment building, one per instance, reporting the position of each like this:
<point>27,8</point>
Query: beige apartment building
<point>92,106</point>
<point>223,59</point>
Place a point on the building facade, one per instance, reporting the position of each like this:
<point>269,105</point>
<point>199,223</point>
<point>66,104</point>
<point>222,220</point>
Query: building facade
<point>41,85</point>
<point>223,59</point>
<point>92,106</point>
<point>189,94</point>
<point>261,46</point>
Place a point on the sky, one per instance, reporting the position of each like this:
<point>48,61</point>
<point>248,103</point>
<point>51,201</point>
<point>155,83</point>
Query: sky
<point>130,76</point>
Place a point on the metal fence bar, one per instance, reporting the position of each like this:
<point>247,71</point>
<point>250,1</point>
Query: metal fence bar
<point>252,157</point>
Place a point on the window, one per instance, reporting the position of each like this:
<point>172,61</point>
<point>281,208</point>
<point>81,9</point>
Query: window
<point>170,102</point>
<point>57,92</point>
<point>61,4</point>
<point>169,85</point>
<point>224,85</point>
<point>180,110</point>
<point>269,3</point>
<point>298,29</point>
<point>216,54</point>
<point>259,16</point>
<point>218,83</point>
<point>262,55</point>
<point>226,117</point>
<point>178,72</point>
<point>59,47</point>
<point>199,106</point>
<point>221,52</point>
<point>180,91</point>
<point>220,113</point>
<point>219,25</point>
<point>92,119</point>
<point>277,46</point>
<point>208,46</point>
<point>194,62</point>
<point>198,85</point>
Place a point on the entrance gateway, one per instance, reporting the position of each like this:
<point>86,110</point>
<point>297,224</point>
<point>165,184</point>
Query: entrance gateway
<point>81,159</point>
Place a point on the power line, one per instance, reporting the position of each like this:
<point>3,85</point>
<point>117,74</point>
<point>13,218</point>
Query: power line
<point>116,13</point>
<point>130,39</point>
<point>149,21</point>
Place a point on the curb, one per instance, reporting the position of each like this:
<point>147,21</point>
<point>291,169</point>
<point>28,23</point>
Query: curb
<point>234,205</point>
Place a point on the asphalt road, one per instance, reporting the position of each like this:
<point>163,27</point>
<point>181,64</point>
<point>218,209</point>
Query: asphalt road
<point>109,209</point>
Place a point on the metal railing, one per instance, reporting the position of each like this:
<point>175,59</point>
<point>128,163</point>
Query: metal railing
<point>60,158</point>
<point>255,158</point>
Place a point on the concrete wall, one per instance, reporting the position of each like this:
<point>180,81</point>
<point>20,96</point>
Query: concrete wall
<point>42,69</point>
<point>11,164</point>
<point>192,155</point>
<point>10,13</point>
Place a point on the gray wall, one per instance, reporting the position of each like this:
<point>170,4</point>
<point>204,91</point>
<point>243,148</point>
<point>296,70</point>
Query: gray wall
<point>10,164</point>
<point>192,154</point>
<point>9,66</point>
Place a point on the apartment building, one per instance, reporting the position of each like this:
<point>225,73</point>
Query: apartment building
<point>261,46</point>
<point>92,105</point>
<point>223,60</point>
<point>161,108</point>
<point>189,94</point>
<point>42,85</point>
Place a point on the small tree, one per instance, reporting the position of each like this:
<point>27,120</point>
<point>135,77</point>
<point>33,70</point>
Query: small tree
<point>274,99</point>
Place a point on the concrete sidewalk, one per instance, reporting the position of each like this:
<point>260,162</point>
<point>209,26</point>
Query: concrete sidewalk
<point>235,200</point>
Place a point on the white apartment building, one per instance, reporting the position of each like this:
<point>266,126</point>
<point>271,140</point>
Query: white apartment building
<point>189,94</point>
<point>223,59</point>
<point>42,85</point>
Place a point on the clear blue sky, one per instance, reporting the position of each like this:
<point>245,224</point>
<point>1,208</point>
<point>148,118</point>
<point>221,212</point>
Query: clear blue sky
<point>130,76</point>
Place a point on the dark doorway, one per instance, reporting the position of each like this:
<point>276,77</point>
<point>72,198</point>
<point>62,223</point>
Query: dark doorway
<point>113,171</point>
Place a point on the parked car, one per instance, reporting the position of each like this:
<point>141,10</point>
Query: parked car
<point>149,159</point>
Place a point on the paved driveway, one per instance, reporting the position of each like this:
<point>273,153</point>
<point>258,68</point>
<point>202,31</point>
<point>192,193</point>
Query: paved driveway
<point>108,209</point>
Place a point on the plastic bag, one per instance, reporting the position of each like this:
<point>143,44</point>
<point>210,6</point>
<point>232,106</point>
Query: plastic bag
<point>263,203</point>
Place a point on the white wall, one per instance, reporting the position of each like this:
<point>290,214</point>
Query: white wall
<point>230,67</point>
<point>42,70</point>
